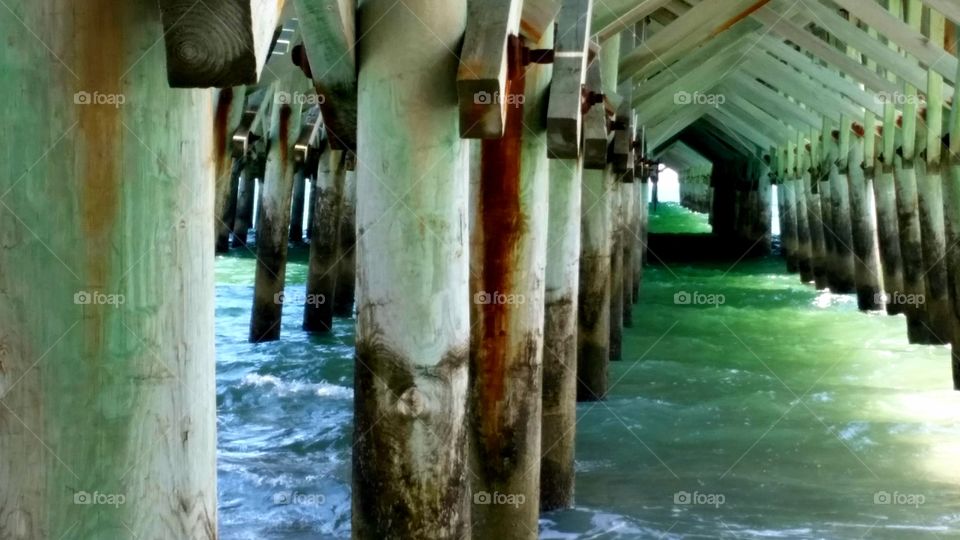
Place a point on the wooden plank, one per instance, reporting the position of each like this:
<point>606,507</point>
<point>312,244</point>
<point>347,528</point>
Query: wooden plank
<point>217,43</point>
<point>482,75</point>
<point>565,109</point>
<point>537,16</point>
<point>328,30</point>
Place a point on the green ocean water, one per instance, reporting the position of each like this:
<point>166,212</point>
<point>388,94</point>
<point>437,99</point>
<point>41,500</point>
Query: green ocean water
<point>748,405</point>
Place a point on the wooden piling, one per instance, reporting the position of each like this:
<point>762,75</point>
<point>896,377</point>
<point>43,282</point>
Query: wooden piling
<point>799,190</point>
<point>273,231</point>
<point>930,198</point>
<point>593,334</point>
<point>843,256</point>
<point>616,270</point>
<point>818,248</point>
<point>253,167</point>
<point>863,220</point>
<point>413,334</point>
<point>560,335</point>
<point>297,205</point>
<point>323,268</point>
<point>628,203</point>
<point>908,216</point>
<point>508,264</point>
<point>344,297</point>
<point>107,376</point>
<point>885,203</point>
<point>224,223</point>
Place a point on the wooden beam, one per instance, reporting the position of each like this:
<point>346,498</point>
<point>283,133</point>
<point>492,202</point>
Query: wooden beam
<point>904,66</point>
<point>824,76</point>
<point>821,49</point>
<point>217,43</point>
<point>772,101</point>
<point>482,75</point>
<point>610,21</point>
<point>801,87</point>
<point>688,89</point>
<point>735,37</point>
<point>702,22</point>
<point>328,30</point>
<point>949,8</point>
<point>565,108</point>
<point>925,50</point>
<point>595,137</point>
<point>537,16</point>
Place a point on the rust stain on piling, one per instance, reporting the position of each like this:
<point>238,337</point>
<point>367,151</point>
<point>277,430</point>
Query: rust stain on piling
<point>739,17</point>
<point>283,137</point>
<point>221,118</point>
<point>501,221</point>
